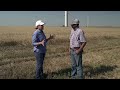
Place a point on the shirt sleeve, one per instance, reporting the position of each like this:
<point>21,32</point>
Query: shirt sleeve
<point>82,37</point>
<point>34,39</point>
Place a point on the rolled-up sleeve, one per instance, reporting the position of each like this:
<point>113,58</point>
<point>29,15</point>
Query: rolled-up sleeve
<point>34,39</point>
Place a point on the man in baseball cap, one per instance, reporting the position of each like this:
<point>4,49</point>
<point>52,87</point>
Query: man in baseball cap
<point>39,22</point>
<point>75,23</point>
<point>39,42</point>
<point>77,43</point>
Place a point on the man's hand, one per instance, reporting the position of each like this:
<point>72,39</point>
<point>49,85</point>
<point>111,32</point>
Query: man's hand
<point>42,42</point>
<point>51,36</point>
<point>77,51</point>
<point>81,48</point>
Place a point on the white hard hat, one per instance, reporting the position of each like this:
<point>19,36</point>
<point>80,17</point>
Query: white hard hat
<point>39,22</point>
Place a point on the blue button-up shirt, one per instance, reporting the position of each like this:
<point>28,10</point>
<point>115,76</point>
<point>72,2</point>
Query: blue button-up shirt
<point>38,36</point>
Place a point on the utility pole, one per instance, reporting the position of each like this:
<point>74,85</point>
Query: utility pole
<point>66,18</point>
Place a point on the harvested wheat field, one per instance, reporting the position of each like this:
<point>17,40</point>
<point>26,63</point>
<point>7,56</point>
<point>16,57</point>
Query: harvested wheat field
<point>101,57</point>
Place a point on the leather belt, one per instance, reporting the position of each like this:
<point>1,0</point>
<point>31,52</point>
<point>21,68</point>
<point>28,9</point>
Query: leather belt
<point>75,48</point>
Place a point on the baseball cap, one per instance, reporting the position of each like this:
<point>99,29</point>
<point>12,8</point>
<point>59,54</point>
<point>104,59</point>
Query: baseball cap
<point>75,21</point>
<point>39,22</point>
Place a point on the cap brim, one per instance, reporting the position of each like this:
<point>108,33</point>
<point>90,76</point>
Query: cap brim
<point>73,23</point>
<point>41,23</point>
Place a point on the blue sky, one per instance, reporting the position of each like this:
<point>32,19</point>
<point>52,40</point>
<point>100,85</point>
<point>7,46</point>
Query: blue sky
<point>56,18</point>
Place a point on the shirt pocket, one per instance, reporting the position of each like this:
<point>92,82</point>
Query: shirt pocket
<point>78,37</point>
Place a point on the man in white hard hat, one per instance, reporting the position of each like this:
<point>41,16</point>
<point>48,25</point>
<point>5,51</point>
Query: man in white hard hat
<point>77,43</point>
<point>39,43</point>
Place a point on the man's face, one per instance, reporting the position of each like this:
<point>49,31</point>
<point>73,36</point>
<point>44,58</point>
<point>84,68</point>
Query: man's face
<point>74,26</point>
<point>40,27</point>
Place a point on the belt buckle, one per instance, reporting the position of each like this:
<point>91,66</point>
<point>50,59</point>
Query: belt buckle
<point>76,48</point>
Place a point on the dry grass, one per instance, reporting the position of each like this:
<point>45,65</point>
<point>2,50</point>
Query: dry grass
<point>100,58</point>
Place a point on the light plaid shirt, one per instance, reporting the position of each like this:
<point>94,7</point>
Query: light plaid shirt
<point>76,37</point>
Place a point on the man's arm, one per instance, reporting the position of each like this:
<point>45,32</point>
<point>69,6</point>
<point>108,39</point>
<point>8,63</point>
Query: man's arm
<point>47,39</point>
<point>82,42</point>
<point>82,46</point>
<point>51,37</point>
<point>34,43</point>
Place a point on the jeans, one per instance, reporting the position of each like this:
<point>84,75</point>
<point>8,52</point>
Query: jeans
<point>77,69</point>
<point>39,64</point>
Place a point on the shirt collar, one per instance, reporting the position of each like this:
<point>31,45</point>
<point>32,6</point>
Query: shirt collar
<point>41,31</point>
<point>75,29</point>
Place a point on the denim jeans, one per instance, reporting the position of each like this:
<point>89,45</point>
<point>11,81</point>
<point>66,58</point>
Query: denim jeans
<point>77,69</point>
<point>39,64</point>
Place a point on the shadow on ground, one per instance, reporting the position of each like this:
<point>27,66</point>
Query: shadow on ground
<point>102,69</point>
<point>89,71</point>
